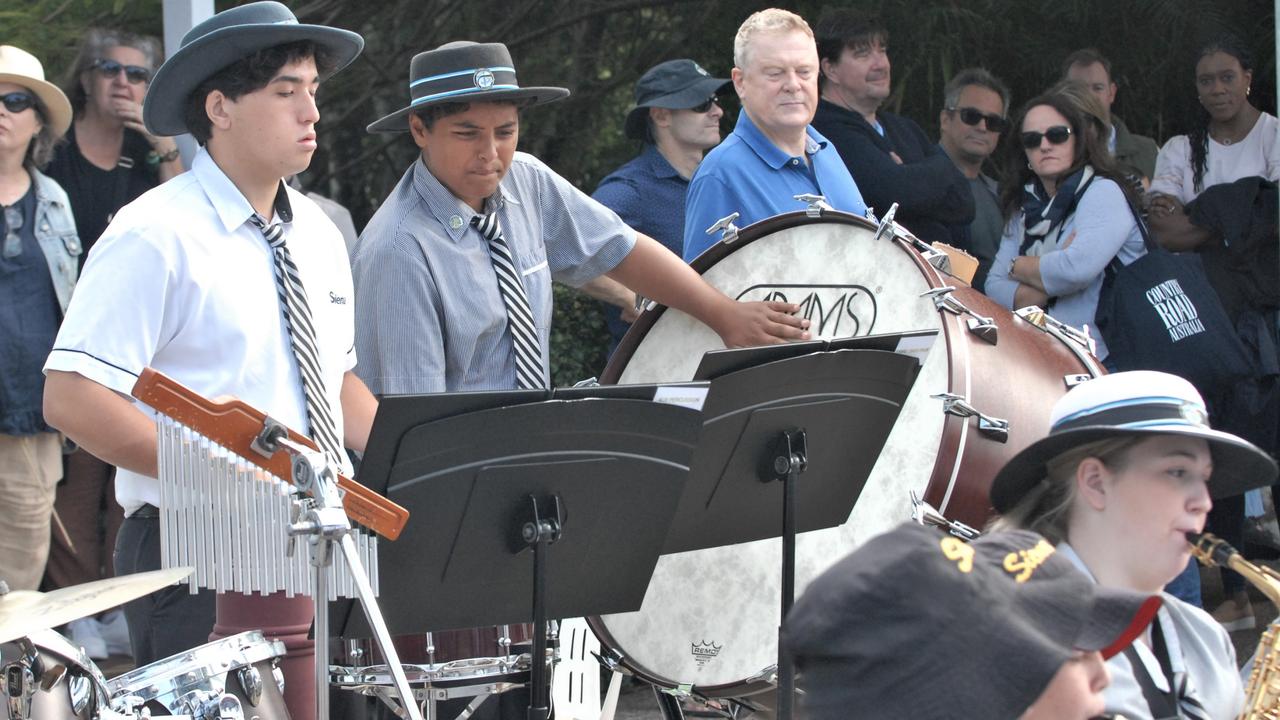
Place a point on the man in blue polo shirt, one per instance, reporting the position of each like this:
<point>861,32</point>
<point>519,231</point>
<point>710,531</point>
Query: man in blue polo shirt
<point>773,154</point>
<point>677,117</point>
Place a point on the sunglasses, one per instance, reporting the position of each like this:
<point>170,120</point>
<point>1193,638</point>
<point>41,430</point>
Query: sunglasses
<point>971,116</point>
<point>706,105</point>
<point>1057,135</point>
<point>16,102</point>
<point>133,73</point>
<point>13,223</point>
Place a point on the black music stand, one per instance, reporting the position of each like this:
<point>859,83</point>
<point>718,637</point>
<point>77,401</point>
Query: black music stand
<point>825,415</point>
<point>589,483</point>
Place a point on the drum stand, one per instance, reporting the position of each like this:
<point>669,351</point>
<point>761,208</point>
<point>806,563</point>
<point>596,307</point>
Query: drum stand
<point>320,519</point>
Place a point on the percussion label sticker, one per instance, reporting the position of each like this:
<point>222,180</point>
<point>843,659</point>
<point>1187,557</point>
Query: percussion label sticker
<point>704,652</point>
<point>833,311</point>
<point>690,397</point>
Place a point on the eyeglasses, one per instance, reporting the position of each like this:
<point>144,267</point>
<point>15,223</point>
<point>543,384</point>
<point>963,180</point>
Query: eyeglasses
<point>133,73</point>
<point>16,102</point>
<point>972,116</point>
<point>705,105</point>
<point>1057,135</point>
<point>13,223</point>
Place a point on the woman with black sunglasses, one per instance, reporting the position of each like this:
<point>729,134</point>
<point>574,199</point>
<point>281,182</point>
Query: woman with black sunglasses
<point>109,158</point>
<point>1068,211</point>
<point>38,249</point>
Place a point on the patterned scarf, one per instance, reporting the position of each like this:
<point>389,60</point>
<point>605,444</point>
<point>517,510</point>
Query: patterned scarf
<point>1043,216</point>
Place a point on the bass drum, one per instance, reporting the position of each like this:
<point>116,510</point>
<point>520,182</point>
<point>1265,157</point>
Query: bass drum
<point>709,618</point>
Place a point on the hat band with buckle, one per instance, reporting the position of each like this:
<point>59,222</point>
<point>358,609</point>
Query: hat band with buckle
<point>463,82</point>
<point>1138,414</point>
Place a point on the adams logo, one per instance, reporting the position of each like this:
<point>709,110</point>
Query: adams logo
<point>704,652</point>
<point>833,311</point>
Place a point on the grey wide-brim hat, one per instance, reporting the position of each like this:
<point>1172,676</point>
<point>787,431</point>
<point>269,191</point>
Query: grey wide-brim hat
<point>463,71</point>
<point>674,84</point>
<point>1138,402</point>
<point>222,40</point>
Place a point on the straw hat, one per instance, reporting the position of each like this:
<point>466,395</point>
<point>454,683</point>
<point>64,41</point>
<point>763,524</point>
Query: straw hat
<point>20,67</point>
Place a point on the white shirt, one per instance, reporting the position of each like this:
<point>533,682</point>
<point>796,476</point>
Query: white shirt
<point>180,281</point>
<point>1197,645</point>
<point>1257,154</point>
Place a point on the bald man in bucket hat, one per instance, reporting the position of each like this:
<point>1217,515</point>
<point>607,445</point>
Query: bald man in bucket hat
<point>231,283</point>
<point>453,273</point>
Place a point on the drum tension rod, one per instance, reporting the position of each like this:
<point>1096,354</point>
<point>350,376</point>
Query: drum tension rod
<point>817,204</point>
<point>984,327</point>
<point>730,233</point>
<point>957,405</point>
<point>886,228</point>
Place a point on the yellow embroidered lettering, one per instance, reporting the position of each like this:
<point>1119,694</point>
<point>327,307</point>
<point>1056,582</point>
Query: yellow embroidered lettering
<point>1024,562</point>
<point>959,551</point>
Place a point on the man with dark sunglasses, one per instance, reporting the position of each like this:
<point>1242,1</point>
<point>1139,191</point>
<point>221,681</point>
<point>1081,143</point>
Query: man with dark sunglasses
<point>888,155</point>
<point>972,119</point>
<point>677,117</point>
<point>1136,154</point>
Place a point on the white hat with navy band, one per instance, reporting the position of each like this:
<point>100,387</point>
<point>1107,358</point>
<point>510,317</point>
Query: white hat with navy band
<point>1138,402</point>
<point>463,71</point>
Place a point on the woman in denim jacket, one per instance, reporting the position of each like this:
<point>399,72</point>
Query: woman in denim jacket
<point>38,264</point>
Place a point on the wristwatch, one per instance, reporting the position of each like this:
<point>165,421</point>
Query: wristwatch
<point>155,158</point>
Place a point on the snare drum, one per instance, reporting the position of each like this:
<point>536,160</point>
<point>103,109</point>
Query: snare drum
<point>44,676</point>
<point>214,680</point>
<point>985,390</point>
<point>442,665</point>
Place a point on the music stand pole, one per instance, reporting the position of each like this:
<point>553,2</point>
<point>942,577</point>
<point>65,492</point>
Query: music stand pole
<point>539,533</point>
<point>789,459</point>
<point>320,518</point>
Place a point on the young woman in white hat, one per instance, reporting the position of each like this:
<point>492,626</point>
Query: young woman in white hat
<point>38,251</point>
<point>1130,467</point>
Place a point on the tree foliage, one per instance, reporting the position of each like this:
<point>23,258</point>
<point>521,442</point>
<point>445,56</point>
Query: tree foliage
<point>598,48</point>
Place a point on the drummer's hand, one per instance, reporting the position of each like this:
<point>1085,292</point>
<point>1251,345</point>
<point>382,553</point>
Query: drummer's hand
<point>748,324</point>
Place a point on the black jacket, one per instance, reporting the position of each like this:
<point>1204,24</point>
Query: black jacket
<point>934,200</point>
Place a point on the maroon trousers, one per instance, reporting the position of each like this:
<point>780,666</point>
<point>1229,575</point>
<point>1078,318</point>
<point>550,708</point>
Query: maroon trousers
<point>86,505</point>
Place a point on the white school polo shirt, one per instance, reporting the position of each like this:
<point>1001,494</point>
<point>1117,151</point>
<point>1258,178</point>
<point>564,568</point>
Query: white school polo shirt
<point>180,281</point>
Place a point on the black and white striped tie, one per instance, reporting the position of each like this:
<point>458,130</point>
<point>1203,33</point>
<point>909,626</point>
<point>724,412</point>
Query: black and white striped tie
<point>302,337</point>
<point>524,335</point>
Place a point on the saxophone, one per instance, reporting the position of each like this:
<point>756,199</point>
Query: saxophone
<point>1262,694</point>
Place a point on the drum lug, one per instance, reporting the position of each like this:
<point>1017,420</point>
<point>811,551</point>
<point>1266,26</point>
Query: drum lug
<point>1046,322</point>
<point>886,229</point>
<point>1074,380</point>
<point>277,674</point>
<point>730,233</point>
<point>251,682</point>
<point>992,427</point>
<point>944,299</point>
<point>768,675</point>
<point>817,204</point>
<point>611,660</point>
<point>19,685</point>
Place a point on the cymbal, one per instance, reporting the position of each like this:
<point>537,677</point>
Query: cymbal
<point>25,611</point>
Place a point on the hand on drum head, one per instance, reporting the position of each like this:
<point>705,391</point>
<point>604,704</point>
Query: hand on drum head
<point>747,324</point>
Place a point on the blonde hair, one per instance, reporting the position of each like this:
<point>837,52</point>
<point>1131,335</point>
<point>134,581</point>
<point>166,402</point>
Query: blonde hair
<point>772,20</point>
<point>1046,507</point>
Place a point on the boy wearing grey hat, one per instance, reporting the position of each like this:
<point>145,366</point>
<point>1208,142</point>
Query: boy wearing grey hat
<point>677,117</point>
<point>453,272</point>
<point>229,282</point>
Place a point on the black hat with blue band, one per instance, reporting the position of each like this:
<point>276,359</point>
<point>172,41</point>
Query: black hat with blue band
<point>226,38</point>
<point>464,71</point>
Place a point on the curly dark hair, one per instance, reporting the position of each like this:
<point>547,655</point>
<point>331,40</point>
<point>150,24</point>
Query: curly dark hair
<point>248,75</point>
<point>1198,138</point>
<point>1090,149</point>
